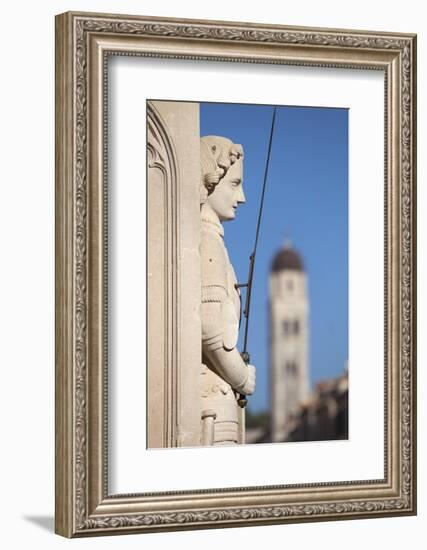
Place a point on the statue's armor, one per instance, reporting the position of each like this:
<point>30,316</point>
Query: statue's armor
<point>218,285</point>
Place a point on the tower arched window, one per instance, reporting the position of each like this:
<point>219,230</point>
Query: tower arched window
<point>291,368</point>
<point>290,327</point>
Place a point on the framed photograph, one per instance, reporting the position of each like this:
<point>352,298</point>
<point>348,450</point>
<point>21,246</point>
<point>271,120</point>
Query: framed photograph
<point>235,274</point>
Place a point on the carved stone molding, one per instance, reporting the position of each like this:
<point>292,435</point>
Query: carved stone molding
<point>161,280</point>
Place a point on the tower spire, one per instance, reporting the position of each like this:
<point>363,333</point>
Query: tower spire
<point>287,242</point>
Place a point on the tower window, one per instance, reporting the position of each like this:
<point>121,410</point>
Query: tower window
<point>290,327</point>
<point>286,326</point>
<point>291,368</point>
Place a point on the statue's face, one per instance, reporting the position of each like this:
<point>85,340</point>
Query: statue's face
<point>228,193</point>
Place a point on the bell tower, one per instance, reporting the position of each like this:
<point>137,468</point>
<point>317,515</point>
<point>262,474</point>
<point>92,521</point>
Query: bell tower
<point>289,311</point>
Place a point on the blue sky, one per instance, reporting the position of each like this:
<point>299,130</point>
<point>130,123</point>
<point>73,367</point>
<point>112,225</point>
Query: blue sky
<point>307,201</point>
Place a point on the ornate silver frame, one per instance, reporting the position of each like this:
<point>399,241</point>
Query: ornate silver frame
<point>83,506</point>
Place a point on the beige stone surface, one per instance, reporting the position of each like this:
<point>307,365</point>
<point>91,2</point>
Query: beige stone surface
<point>195,371</point>
<point>174,341</point>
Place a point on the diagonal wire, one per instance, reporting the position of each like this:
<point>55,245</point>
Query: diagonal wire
<point>252,257</point>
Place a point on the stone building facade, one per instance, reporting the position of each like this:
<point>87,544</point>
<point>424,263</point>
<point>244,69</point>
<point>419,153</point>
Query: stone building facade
<point>324,416</point>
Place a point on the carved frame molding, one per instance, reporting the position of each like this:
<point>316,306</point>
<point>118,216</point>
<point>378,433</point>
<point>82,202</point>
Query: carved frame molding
<point>83,43</point>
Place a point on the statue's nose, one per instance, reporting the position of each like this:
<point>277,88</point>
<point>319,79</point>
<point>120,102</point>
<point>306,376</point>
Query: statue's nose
<point>241,199</point>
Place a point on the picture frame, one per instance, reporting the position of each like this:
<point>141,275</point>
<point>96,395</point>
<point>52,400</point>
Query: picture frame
<point>84,43</point>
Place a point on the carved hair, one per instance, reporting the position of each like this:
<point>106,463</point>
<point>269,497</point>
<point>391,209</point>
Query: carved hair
<point>217,155</point>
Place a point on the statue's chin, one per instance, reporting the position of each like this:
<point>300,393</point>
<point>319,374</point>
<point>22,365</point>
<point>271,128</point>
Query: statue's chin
<point>228,217</point>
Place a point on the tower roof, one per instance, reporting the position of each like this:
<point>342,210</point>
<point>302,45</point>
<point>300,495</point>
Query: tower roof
<point>287,258</point>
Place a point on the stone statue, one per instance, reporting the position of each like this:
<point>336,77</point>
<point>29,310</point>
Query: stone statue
<point>224,373</point>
